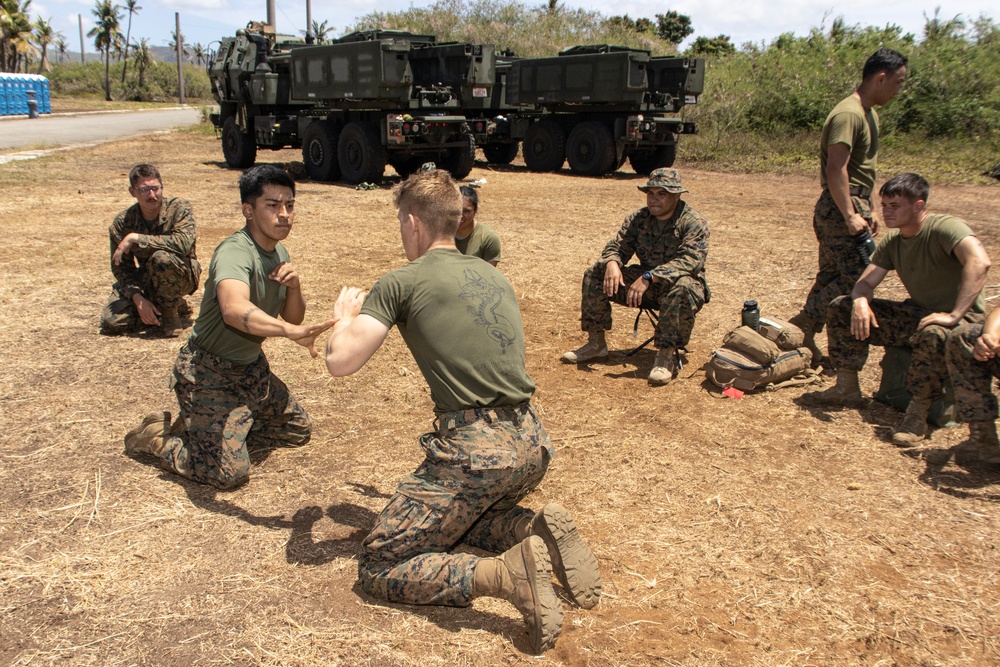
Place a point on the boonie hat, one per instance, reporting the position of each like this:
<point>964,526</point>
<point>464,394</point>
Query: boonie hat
<point>668,179</point>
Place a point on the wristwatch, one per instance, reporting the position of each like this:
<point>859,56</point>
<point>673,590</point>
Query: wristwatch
<point>648,276</point>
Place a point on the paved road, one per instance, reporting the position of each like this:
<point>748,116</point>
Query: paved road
<point>62,130</point>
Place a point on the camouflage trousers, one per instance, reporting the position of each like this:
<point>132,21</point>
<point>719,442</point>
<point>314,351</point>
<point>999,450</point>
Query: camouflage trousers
<point>225,407</point>
<point>971,379</point>
<point>897,325</point>
<point>478,465</point>
<point>840,265</point>
<point>166,279</point>
<point>677,304</point>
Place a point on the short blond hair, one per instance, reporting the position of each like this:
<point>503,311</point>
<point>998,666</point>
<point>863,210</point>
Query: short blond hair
<point>434,197</point>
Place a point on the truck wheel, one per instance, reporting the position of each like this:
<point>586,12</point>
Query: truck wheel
<point>647,161</point>
<point>544,146</point>
<point>361,153</point>
<point>459,161</point>
<point>591,149</point>
<point>319,151</point>
<point>239,149</point>
<point>500,153</point>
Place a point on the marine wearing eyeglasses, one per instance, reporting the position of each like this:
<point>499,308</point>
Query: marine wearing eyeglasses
<point>153,260</point>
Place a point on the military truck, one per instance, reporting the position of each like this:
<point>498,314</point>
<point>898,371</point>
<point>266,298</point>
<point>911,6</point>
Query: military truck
<point>594,106</point>
<point>366,100</point>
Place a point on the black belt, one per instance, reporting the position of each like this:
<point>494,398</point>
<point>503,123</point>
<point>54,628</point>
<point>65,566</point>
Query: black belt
<point>858,191</point>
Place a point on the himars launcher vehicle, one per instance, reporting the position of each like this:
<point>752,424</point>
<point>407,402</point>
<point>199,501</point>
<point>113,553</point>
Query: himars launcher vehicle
<point>384,97</point>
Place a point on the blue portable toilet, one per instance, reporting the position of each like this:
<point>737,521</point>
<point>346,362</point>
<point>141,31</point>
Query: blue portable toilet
<point>40,85</point>
<point>3,94</point>
<point>20,97</point>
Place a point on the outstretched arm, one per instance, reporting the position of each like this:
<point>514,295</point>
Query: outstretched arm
<point>355,337</point>
<point>240,313</point>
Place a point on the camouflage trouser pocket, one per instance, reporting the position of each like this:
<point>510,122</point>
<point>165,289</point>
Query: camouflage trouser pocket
<point>862,207</point>
<point>488,458</point>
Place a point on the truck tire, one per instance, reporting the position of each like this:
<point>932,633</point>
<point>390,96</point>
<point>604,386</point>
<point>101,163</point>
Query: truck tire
<point>544,146</point>
<point>459,161</point>
<point>647,161</point>
<point>500,153</point>
<point>239,149</point>
<point>319,151</point>
<point>361,154</point>
<point>591,149</point>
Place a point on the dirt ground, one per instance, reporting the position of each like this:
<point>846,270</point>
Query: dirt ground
<point>729,532</point>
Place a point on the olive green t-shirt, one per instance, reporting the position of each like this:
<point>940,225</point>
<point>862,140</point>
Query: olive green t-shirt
<point>926,263</point>
<point>850,124</point>
<point>459,317</point>
<point>240,258</point>
<point>483,242</point>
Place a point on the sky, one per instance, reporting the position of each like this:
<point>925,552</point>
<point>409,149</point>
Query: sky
<point>758,21</point>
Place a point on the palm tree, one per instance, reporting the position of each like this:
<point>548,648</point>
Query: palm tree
<point>320,31</point>
<point>143,58</point>
<point>173,45</point>
<point>61,45</point>
<point>199,53</point>
<point>44,35</point>
<point>104,34</point>
<point>133,8</point>
<point>14,23</point>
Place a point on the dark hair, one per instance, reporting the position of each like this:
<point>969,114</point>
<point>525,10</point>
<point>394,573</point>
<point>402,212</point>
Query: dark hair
<point>883,60</point>
<point>143,170</point>
<point>909,185</point>
<point>254,179</point>
<point>433,197</point>
<point>471,195</point>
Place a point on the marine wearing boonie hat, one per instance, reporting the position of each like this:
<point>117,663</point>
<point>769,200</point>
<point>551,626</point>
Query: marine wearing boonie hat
<point>668,179</point>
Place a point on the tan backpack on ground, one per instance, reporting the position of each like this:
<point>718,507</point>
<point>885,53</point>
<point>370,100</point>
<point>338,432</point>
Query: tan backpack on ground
<point>770,359</point>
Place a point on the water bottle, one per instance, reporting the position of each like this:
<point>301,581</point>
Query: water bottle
<point>750,317</point>
<point>865,245</point>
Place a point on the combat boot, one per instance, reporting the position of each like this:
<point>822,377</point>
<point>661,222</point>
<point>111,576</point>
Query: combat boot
<point>573,562</point>
<point>913,428</point>
<point>983,437</point>
<point>522,575</point>
<point>150,436</point>
<point>596,348</point>
<point>171,324</point>
<point>663,366</point>
<point>845,394</point>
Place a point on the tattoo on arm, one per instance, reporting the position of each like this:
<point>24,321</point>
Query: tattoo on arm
<point>246,319</point>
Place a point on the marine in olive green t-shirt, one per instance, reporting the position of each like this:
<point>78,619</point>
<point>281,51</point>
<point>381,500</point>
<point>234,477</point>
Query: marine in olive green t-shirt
<point>851,124</point>
<point>926,263</point>
<point>482,242</point>
<point>238,257</point>
<point>460,319</point>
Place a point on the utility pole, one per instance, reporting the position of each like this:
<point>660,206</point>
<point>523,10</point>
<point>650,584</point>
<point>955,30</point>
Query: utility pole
<point>270,14</point>
<point>80,16</point>
<point>309,22</point>
<point>180,47</point>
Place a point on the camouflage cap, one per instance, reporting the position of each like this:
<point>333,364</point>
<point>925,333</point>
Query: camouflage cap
<point>668,179</point>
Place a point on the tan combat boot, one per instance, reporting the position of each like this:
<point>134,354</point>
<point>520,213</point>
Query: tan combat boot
<point>596,348</point>
<point>983,437</point>
<point>150,436</point>
<point>845,394</point>
<point>522,575</point>
<point>573,562</point>
<point>664,366</point>
<point>913,428</point>
<point>171,324</point>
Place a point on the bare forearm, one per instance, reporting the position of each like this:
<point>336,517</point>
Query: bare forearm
<point>250,319</point>
<point>973,279</point>
<point>294,309</point>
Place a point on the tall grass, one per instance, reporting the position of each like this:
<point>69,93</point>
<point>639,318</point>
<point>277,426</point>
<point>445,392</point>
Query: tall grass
<point>73,79</point>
